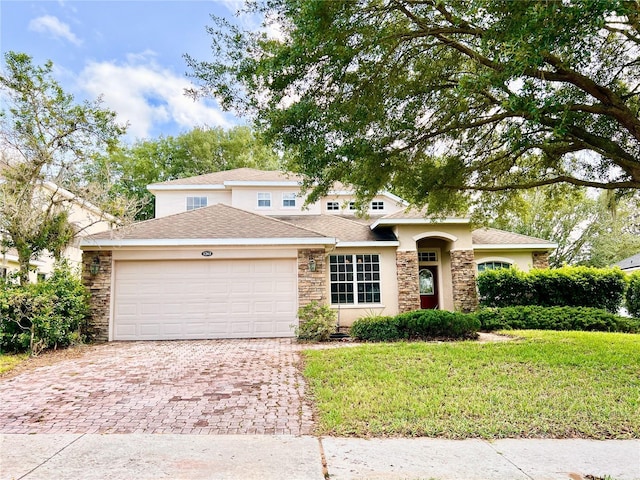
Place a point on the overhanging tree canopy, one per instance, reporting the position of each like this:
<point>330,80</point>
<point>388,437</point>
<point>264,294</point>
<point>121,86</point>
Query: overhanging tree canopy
<point>441,97</point>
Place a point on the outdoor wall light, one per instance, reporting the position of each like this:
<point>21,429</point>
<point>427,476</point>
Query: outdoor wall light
<point>94,268</point>
<point>312,265</point>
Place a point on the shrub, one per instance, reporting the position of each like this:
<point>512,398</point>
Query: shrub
<point>530,317</point>
<point>633,295</point>
<point>375,329</point>
<point>416,325</point>
<point>49,314</point>
<point>317,322</point>
<point>566,286</point>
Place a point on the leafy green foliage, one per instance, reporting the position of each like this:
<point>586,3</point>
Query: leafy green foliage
<point>532,317</point>
<point>566,286</point>
<point>316,322</point>
<point>197,152</point>
<point>633,295</point>
<point>376,329</point>
<point>49,314</point>
<point>439,98</point>
<point>416,325</point>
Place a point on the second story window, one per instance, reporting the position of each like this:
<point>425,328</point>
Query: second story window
<point>378,205</point>
<point>196,202</point>
<point>288,200</point>
<point>352,206</point>
<point>264,200</point>
<point>333,206</point>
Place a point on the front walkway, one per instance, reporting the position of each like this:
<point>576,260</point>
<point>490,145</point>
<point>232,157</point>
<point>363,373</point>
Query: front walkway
<point>185,387</point>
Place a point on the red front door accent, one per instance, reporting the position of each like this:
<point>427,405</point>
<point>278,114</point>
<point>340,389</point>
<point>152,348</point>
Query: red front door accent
<point>428,277</point>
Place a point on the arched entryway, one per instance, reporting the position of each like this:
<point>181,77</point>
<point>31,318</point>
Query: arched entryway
<point>434,270</point>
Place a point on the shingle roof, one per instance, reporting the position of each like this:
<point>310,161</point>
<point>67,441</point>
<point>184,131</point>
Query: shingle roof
<point>629,263</point>
<point>215,222</point>
<point>238,174</point>
<point>345,229</point>
<point>493,236</point>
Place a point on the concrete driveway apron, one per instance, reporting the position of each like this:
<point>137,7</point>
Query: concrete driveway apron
<point>186,387</point>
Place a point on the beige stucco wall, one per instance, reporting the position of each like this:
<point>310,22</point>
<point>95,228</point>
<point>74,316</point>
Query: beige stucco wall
<point>520,259</point>
<point>409,235</point>
<point>343,199</point>
<point>388,286</point>
<point>175,201</point>
<point>246,198</point>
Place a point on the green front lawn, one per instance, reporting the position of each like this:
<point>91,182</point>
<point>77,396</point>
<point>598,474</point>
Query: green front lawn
<point>545,384</point>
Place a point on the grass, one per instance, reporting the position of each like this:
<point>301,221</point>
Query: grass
<point>545,384</point>
<point>10,361</point>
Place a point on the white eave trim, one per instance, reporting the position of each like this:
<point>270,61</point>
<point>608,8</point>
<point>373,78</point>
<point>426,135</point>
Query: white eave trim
<point>384,221</point>
<point>158,187</point>
<point>187,242</point>
<point>516,246</point>
<point>390,243</point>
<point>263,183</point>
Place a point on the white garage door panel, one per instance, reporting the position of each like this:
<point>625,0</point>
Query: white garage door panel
<point>166,300</point>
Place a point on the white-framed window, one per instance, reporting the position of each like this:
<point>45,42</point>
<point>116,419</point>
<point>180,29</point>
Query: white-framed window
<point>196,202</point>
<point>377,205</point>
<point>355,279</point>
<point>264,200</point>
<point>333,206</point>
<point>352,206</point>
<point>288,200</point>
<point>492,265</point>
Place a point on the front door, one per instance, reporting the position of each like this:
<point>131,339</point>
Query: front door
<point>429,287</point>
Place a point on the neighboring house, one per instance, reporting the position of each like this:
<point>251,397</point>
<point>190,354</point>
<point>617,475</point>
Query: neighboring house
<point>630,264</point>
<point>234,254</point>
<point>85,217</point>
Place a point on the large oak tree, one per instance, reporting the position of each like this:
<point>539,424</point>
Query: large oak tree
<point>440,98</point>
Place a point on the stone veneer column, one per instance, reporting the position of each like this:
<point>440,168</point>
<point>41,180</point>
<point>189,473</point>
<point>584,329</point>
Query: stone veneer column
<point>540,259</point>
<point>99,287</point>
<point>312,285</point>
<point>463,276</point>
<point>408,282</point>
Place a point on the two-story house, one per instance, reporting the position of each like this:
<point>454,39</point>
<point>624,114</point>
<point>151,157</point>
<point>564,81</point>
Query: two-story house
<point>234,254</point>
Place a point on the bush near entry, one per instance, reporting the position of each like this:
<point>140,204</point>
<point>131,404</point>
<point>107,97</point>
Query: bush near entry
<point>44,315</point>
<point>416,325</point>
<point>566,286</point>
<point>530,317</point>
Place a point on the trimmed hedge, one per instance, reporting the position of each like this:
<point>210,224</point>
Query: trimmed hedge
<point>633,295</point>
<point>566,286</point>
<point>532,317</point>
<point>416,325</point>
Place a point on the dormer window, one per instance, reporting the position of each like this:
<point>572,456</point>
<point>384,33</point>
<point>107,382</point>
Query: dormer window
<point>196,202</point>
<point>288,200</point>
<point>333,206</point>
<point>378,205</point>
<point>264,200</point>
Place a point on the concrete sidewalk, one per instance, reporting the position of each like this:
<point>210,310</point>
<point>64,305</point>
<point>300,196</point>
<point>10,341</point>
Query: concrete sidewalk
<point>147,456</point>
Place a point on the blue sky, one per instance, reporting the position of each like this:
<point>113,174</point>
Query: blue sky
<point>130,52</point>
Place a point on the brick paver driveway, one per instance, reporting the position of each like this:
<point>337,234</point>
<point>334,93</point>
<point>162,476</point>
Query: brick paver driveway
<point>197,387</point>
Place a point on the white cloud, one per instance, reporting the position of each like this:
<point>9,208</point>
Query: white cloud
<point>51,25</point>
<point>150,98</point>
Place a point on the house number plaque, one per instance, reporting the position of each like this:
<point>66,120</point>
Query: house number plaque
<point>207,253</point>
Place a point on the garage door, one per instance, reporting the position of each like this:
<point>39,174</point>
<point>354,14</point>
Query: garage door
<point>195,299</point>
